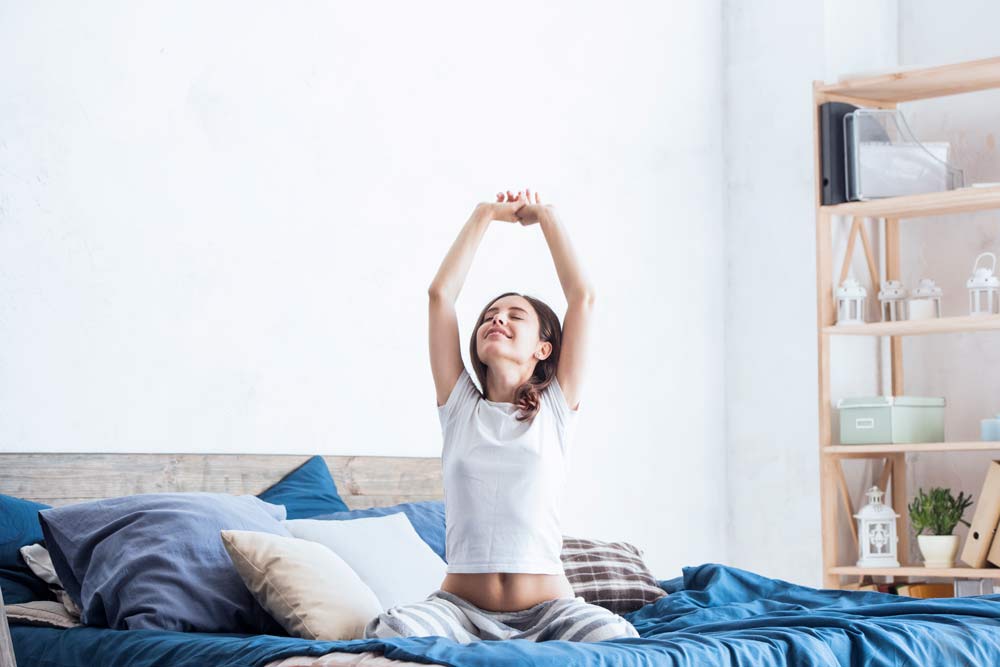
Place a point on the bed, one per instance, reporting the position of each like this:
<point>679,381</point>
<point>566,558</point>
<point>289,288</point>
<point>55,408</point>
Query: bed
<point>713,614</point>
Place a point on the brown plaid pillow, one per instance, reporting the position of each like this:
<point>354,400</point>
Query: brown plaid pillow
<point>609,574</point>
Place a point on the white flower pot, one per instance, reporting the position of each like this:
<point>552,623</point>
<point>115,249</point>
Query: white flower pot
<point>938,550</point>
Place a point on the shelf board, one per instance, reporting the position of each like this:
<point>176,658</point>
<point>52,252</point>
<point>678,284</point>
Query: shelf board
<point>912,570</point>
<point>919,84</point>
<point>901,448</point>
<point>937,325</point>
<point>962,200</point>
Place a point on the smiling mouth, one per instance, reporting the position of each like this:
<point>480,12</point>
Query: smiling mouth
<point>496,333</point>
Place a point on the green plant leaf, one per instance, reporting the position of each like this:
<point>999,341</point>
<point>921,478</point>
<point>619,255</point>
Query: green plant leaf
<point>938,511</point>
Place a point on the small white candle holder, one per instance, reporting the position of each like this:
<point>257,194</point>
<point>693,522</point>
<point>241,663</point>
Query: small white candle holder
<point>876,532</point>
<point>983,286</point>
<point>892,301</point>
<point>926,301</point>
<point>851,298</point>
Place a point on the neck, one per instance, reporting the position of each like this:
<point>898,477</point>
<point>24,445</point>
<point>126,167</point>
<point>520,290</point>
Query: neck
<point>503,380</point>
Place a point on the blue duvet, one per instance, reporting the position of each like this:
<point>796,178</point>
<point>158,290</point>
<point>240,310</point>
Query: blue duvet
<point>715,615</point>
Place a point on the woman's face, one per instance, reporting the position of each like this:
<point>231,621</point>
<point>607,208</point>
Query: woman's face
<point>517,339</point>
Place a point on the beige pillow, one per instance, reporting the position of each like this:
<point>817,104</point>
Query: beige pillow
<point>305,586</point>
<point>40,562</point>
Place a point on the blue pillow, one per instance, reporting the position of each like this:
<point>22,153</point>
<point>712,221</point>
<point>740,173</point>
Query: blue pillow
<point>156,561</point>
<point>671,585</point>
<point>19,527</point>
<point>427,517</point>
<point>306,491</point>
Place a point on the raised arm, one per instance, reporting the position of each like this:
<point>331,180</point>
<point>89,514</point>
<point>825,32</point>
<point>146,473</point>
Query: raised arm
<point>579,297</point>
<point>445,348</point>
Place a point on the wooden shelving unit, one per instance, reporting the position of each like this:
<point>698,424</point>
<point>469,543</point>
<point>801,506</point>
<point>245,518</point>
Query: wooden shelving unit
<point>886,91</point>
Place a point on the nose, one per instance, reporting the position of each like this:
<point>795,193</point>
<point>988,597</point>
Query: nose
<point>497,320</point>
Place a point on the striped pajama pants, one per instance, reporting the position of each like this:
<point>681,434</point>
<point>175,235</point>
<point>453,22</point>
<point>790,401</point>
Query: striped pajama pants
<point>447,615</point>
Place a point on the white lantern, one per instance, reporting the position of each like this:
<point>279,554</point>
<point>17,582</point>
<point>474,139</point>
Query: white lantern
<point>983,288</point>
<point>892,301</point>
<point>876,532</point>
<point>851,302</point>
<point>926,301</point>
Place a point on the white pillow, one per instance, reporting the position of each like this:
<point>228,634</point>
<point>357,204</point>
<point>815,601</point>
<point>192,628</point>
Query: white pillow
<point>385,551</point>
<point>307,588</point>
<point>40,562</point>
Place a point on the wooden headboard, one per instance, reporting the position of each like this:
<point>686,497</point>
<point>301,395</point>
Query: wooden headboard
<point>363,481</point>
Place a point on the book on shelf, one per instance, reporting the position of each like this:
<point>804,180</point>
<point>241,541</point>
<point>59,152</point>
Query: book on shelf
<point>927,590</point>
<point>871,587</point>
<point>977,549</point>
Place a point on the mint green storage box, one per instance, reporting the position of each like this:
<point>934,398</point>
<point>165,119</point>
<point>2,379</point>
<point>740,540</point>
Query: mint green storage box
<point>891,419</point>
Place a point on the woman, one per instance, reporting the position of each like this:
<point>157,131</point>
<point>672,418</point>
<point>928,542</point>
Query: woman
<point>504,452</point>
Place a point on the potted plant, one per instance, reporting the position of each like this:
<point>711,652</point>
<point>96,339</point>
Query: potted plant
<point>938,512</point>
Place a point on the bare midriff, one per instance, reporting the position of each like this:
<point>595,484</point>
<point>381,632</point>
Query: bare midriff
<point>507,591</point>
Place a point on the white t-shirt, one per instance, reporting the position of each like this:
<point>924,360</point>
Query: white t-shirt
<point>503,481</point>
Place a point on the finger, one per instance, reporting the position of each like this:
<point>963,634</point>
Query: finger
<point>510,196</point>
<point>527,193</point>
<point>499,196</point>
<point>538,200</point>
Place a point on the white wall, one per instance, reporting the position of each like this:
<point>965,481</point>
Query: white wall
<point>774,51</point>
<point>770,404</point>
<point>218,223</point>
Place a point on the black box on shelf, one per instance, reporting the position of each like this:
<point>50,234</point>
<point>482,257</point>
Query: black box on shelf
<point>833,168</point>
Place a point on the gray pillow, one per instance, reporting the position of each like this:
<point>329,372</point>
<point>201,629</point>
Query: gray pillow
<point>156,561</point>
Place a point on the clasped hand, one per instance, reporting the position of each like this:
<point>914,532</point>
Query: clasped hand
<point>518,208</point>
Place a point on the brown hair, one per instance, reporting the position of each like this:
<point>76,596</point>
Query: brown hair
<point>528,396</point>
